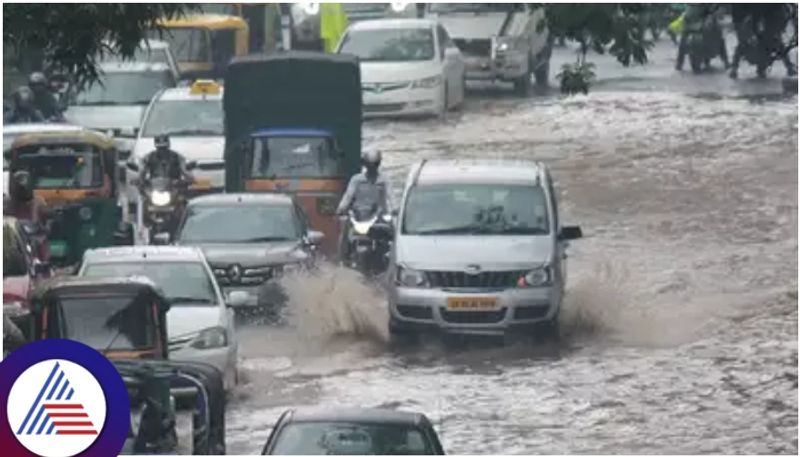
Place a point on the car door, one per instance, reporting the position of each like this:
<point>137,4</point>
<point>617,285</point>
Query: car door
<point>560,254</point>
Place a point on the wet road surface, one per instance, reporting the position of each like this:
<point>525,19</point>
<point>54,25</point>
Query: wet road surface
<point>680,324</point>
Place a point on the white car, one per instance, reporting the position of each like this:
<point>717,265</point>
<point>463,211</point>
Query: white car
<point>193,119</point>
<point>149,51</point>
<point>200,324</point>
<point>408,66</point>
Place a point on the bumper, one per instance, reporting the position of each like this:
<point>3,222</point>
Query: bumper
<point>504,67</point>
<point>223,359</point>
<point>403,102</point>
<point>427,309</point>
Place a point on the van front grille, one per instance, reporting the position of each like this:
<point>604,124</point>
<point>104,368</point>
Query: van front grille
<point>460,279</point>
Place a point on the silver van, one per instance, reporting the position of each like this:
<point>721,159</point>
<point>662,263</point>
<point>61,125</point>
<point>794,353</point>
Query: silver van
<point>479,250</point>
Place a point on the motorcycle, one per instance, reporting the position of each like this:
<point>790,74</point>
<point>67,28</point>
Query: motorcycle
<point>370,238</point>
<point>163,199</point>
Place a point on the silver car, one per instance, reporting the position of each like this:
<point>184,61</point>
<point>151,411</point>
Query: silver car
<point>479,250</point>
<point>200,323</point>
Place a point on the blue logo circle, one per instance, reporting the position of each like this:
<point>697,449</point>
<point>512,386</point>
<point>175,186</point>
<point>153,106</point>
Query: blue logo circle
<point>57,402</point>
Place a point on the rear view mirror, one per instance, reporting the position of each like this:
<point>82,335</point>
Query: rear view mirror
<point>191,165</point>
<point>237,298</point>
<point>314,237</point>
<point>570,232</point>
<point>132,166</point>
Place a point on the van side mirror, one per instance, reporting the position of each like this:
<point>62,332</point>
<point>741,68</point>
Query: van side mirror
<point>132,166</point>
<point>570,232</point>
<point>314,238</point>
<point>191,165</point>
<point>237,298</point>
<point>161,238</point>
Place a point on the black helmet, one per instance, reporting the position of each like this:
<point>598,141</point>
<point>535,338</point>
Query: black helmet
<point>37,78</point>
<point>23,97</point>
<point>371,158</point>
<point>21,186</point>
<point>161,141</point>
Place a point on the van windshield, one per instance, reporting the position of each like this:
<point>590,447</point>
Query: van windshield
<point>294,157</point>
<point>476,209</point>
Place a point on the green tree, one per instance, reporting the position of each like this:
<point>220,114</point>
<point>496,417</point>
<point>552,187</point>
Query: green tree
<point>70,36</point>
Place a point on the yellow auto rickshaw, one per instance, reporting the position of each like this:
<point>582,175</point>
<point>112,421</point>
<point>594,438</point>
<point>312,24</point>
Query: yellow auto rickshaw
<point>204,43</point>
<point>75,173</point>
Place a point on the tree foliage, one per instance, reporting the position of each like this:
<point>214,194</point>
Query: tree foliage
<point>72,35</point>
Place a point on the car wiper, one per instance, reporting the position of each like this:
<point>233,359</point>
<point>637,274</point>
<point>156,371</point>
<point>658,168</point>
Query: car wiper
<point>465,229</point>
<point>99,103</point>
<point>264,239</point>
<point>193,132</point>
<point>521,231</point>
<point>176,300</point>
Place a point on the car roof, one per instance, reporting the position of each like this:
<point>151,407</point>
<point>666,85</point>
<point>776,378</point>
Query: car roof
<point>16,129</point>
<point>363,415</point>
<point>241,198</point>
<point>132,67</point>
<point>126,254</point>
<point>184,93</point>
<point>291,132</point>
<point>382,24</point>
<point>480,171</point>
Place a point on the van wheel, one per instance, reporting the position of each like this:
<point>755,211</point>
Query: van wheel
<point>548,331</point>
<point>542,72</point>
<point>522,84</point>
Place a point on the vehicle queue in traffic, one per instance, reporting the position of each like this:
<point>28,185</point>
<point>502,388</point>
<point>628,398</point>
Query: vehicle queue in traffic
<point>272,151</point>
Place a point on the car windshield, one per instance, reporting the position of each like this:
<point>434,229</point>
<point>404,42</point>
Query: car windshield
<point>185,118</point>
<point>116,322</point>
<point>444,8</point>
<point>184,283</point>
<point>125,88</point>
<point>470,209</point>
<point>294,157</point>
<point>342,438</point>
<point>188,44</point>
<point>253,224</point>
<point>141,54</point>
<point>64,166</point>
<point>390,45</point>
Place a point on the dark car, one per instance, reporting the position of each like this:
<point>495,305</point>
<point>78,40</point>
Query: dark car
<point>352,431</point>
<point>250,241</point>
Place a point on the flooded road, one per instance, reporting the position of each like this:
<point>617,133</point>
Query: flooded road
<point>680,324</point>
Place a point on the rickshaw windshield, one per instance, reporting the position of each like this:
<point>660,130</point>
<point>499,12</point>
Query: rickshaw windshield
<point>64,166</point>
<point>116,322</point>
<point>188,44</point>
<point>294,157</point>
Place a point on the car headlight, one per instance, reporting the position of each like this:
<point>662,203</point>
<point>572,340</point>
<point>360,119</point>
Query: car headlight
<point>399,7</point>
<point>504,44</point>
<point>535,278</point>
<point>410,278</point>
<point>288,269</point>
<point>160,197</point>
<point>427,83</point>
<point>210,338</point>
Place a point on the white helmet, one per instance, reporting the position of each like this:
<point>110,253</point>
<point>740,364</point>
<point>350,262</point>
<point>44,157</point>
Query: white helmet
<point>372,158</point>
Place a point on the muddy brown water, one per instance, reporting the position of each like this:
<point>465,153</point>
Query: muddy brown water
<point>680,324</point>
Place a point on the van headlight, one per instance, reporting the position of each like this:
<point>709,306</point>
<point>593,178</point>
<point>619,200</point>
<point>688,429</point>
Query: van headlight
<point>407,277</point>
<point>537,277</point>
<point>210,338</point>
<point>427,83</point>
<point>160,197</point>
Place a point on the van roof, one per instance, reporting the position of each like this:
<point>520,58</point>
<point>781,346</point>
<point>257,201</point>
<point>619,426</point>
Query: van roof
<point>480,171</point>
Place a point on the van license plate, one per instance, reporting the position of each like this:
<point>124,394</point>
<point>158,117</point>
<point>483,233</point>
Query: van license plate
<point>471,303</point>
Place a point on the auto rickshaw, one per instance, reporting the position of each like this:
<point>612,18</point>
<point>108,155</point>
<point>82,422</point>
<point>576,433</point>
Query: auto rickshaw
<point>293,125</point>
<point>75,173</point>
<point>125,320</point>
<point>203,44</point>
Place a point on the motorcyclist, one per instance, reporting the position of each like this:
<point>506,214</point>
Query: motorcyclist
<point>367,191</point>
<point>24,205</point>
<point>697,13</point>
<point>44,100</point>
<point>164,162</point>
<point>759,22</point>
<point>23,109</point>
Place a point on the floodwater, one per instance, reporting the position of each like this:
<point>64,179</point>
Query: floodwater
<point>680,324</point>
